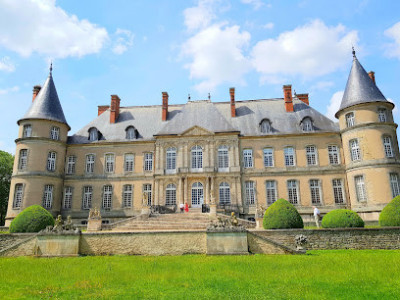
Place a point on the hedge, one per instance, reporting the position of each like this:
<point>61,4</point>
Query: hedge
<point>32,219</point>
<point>342,218</point>
<point>282,214</point>
<point>390,215</point>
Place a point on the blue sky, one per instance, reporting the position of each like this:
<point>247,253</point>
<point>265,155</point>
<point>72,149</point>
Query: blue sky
<point>137,49</point>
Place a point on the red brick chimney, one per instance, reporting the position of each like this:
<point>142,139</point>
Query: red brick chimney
<point>233,105</point>
<point>36,90</point>
<point>304,98</point>
<point>101,109</point>
<point>164,114</point>
<point>287,94</point>
<point>114,113</point>
<point>371,75</point>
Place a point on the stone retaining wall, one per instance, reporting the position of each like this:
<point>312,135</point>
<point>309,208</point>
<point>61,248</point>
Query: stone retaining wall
<point>8,240</point>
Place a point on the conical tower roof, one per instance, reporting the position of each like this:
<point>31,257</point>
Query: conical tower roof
<point>46,105</point>
<point>360,88</point>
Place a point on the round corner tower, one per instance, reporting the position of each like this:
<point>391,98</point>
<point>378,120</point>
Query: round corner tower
<point>38,171</point>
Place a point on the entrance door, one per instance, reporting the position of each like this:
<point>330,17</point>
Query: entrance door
<point>197,194</point>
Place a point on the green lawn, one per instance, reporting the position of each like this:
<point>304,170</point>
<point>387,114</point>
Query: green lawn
<point>343,274</point>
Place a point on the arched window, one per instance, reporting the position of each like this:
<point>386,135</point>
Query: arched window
<point>131,133</point>
<point>170,194</point>
<point>197,194</point>
<point>197,158</point>
<point>307,125</point>
<point>93,134</point>
<point>265,126</point>
<point>224,194</point>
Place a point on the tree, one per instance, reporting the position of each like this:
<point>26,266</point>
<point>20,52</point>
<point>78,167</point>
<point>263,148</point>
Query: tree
<point>6,166</point>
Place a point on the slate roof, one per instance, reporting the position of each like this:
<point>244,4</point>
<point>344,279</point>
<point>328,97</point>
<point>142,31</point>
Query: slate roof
<point>46,105</point>
<point>360,88</point>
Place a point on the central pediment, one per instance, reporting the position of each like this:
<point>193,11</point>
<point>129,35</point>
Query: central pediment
<point>196,130</point>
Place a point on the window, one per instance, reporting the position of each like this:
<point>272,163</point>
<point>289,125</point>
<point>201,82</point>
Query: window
<point>109,163</point>
<point>27,132</point>
<point>71,164</point>
<point>250,193</point>
<point>197,194</point>
<point>18,194</point>
<point>147,192</point>
<point>387,145</point>
<point>23,159</point>
<point>87,197</point>
<point>197,158</point>
<point>394,183</point>
<point>171,160</point>
<point>48,196</point>
<point>131,133</point>
<point>293,191</point>
<point>350,119</point>
<point>107,196</point>
<point>271,193</point>
<point>311,154</point>
<point>268,157</point>
<point>224,194</point>
<point>307,125</point>
<point>67,197</point>
<point>333,153</point>
<point>89,168</point>
<point>315,190</point>
<point>223,158</point>
<point>129,162</point>
<point>127,195</point>
<point>265,126</point>
<point>338,192</point>
<point>248,158</point>
<point>382,115</point>
<point>170,194</point>
<point>360,188</point>
<point>55,133</point>
<point>355,150</point>
<point>148,161</point>
<point>51,161</point>
<point>93,134</point>
<point>289,156</point>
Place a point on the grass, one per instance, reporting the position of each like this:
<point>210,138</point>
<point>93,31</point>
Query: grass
<point>372,274</point>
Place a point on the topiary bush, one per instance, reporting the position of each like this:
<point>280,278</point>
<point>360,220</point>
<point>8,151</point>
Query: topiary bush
<point>32,219</point>
<point>282,214</point>
<point>342,218</point>
<point>390,215</point>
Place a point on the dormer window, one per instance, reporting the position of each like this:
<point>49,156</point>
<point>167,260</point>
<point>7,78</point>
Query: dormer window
<point>93,134</point>
<point>131,133</point>
<point>382,115</point>
<point>307,124</point>
<point>265,126</point>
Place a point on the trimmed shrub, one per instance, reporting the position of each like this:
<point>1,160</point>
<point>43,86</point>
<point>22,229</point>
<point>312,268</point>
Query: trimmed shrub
<point>32,219</point>
<point>282,214</point>
<point>342,218</point>
<point>390,215</point>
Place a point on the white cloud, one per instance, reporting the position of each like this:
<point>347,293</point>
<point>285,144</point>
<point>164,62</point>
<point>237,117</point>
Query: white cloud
<point>6,64</point>
<point>255,3</point>
<point>28,26</point>
<point>269,25</point>
<point>310,50</point>
<point>393,49</point>
<point>124,40</point>
<point>9,90</point>
<point>199,16</point>
<point>334,105</point>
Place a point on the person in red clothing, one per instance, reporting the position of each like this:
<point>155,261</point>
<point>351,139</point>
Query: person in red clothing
<point>186,207</point>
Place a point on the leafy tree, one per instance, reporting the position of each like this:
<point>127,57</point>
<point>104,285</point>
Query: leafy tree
<point>6,166</point>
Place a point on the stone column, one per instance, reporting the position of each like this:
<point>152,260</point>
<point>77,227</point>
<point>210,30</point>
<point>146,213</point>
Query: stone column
<point>185,157</point>
<point>206,156</point>
<point>239,191</point>
<point>156,194</point>
<point>212,189</point>
<point>185,190</point>
<point>212,155</point>
<point>207,192</point>
<point>157,157</point>
<point>179,158</point>
<point>180,192</point>
<point>161,197</point>
<point>161,158</point>
<point>231,156</point>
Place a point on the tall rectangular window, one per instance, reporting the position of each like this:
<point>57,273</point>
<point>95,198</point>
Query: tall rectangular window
<point>289,156</point>
<point>147,192</point>
<point>23,159</point>
<point>360,188</point>
<point>311,154</point>
<point>334,156</point>
<point>387,145</point>
<point>355,152</point>
<point>382,115</point>
<point>67,204</point>
<point>18,194</point>
<point>71,160</point>
<point>109,163</point>
<point>293,191</point>
<point>129,162</point>
<point>55,133</point>
<point>27,132</point>
<point>350,119</point>
<point>87,197</point>
<point>148,161</point>
<point>51,161</point>
<point>315,190</point>
<point>127,195</point>
<point>248,158</point>
<point>171,160</point>
<point>394,183</point>
<point>48,196</point>
<point>250,193</point>
<point>197,157</point>
<point>89,168</point>
<point>170,194</point>
<point>223,158</point>
<point>271,191</point>
<point>338,192</point>
<point>107,196</point>
<point>268,157</point>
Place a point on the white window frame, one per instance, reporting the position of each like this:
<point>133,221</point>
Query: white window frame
<point>18,195</point>
<point>271,194</point>
<point>382,115</point>
<point>223,158</point>
<point>268,157</point>
<point>290,156</point>
<point>71,162</point>
<point>55,133</point>
<point>87,197</point>
<point>250,192</point>
<point>148,161</point>
<point>350,120</point>
<point>197,194</point>
<point>109,163</point>
<point>127,195</point>
<point>361,191</point>
<point>106,202</point>
<point>293,191</point>
<point>129,162</point>
<point>387,146</point>
<point>27,131</point>
<point>196,158</point>
<point>170,194</point>
<point>147,189</point>
<point>315,191</point>
<point>51,161</point>
<point>67,201</point>
<point>312,155</point>
<point>48,196</point>
<point>394,184</point>
<point>89,163</point>
<point>338,191</point>
<point>23,159</point>
<point>224,193</point>
<point>170,160</point>
<point>355,152</point>
<point>248,158</point>
<point>334,155</point>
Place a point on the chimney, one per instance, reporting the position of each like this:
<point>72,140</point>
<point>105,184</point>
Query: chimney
<point>233,105</point>
<point>371,75</point>
<point>164,115</point>
<point>101,109</point>
<point>114,113</point>
<point>304,98</point>
<point>36,90</point>
<point>287,94</point>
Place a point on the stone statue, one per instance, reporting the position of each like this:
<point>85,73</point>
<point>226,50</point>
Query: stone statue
<point>68,225</point>
<point>60,227</point>
<point>58,224</point>
<point>145,199</point>
<point>301,241</point>
<point>234,220</point>
<point>94,214</point>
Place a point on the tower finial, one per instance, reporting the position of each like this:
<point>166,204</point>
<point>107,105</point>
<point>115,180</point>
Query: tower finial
<point>354,52</point>
<point>51,67</point>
